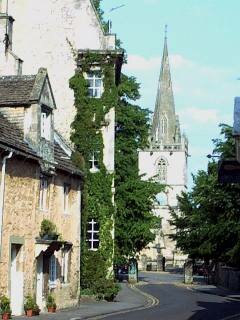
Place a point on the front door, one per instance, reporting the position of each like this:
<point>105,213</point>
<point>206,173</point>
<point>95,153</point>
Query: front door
<point>16,278</point>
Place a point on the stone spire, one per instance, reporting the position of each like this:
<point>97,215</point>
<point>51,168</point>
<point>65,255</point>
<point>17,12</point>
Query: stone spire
<point>165,125</point>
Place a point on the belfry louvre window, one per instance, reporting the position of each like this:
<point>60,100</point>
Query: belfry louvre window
<point>95,84</point>
<point>162,171</point>
<point>164,125</point>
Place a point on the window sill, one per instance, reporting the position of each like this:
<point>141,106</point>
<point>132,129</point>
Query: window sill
<point>52,285</point>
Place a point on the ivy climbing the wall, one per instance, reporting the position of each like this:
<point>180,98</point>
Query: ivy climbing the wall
<point>88,141</point>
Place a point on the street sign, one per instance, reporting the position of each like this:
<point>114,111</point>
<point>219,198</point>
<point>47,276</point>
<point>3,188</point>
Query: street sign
<point>229,171</point>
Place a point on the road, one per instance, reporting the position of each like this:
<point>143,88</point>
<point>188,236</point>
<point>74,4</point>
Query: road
<point>178,302</point>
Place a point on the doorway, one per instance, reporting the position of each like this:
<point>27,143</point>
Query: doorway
<point>16,278</point>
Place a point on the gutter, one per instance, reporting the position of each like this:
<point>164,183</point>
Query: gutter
<point>2,191</point>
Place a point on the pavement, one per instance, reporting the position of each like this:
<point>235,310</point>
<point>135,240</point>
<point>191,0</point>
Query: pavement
<point>218,291</point>
<point>132,298</point>
<point>129,298</point>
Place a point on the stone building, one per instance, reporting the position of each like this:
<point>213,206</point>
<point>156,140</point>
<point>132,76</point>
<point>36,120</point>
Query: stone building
<point>57,34</point>
<point>37,181</point>
<point>166,162</point>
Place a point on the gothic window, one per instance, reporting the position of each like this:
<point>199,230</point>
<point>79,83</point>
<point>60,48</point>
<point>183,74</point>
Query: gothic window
<point>94,162</point>
<point>162,171</point>
<point>93,235</point>
<point>162,199</point>
<point>164,125</point>
<point>157,133</point>
<point>95,84</point>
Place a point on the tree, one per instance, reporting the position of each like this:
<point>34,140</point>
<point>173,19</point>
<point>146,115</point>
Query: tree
<point>134,196</point>
<point>208,223</point>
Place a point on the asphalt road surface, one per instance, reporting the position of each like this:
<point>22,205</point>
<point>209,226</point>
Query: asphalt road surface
<point>177,302</point>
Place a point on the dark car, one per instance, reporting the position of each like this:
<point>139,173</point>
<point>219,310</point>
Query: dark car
<point>121,272</point>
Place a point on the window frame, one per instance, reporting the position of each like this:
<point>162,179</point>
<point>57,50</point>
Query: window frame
<point>92,231</point>
<point>52,271</point>
<point>43,193</point>
<point>97,90</point>
<point>45,123</point>
<point>66,191</point>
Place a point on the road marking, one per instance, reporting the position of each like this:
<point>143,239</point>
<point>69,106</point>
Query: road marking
<point>151,302</point>
<point>232,317</point>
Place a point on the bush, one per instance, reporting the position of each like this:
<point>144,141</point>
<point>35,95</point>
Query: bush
<point>50,303</point>
<point>48,229</point>
<point>94,277</point>
<point>106,289</point>
<point>5,305</point>
<point>30,304</point>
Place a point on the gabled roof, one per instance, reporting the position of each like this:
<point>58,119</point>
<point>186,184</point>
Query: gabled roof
<point>11,139</point>
<point>24,90</point>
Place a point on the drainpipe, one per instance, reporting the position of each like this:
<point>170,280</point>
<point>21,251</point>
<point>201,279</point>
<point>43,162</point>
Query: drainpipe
<point>2,189</point>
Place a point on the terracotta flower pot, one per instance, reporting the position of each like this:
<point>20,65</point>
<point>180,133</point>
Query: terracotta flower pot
<point>6,316</point>
<point>29,313</point>
<point>51,309</point>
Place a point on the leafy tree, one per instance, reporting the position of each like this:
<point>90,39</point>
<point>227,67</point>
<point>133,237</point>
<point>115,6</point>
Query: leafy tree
<point>208,223</point>
<point>134,196</point>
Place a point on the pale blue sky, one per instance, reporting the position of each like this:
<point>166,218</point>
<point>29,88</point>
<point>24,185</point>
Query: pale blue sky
<point>204,48</point>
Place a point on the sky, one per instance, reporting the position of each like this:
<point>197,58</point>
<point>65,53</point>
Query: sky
<point>204,51</point>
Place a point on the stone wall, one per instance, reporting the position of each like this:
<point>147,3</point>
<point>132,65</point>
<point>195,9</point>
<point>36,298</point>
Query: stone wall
<point>227,277</point>
<point>22,220</point>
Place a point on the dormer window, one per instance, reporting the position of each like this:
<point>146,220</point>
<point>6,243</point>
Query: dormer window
<point>95,84</point>
<point>46,123</point>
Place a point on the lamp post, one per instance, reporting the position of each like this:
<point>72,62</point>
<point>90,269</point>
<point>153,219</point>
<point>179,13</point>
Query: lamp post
<point>109,20</point>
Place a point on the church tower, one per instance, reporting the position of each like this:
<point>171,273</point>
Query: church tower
<point>165,161</point>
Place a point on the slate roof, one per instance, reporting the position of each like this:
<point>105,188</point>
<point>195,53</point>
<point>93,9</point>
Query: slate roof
<point>16,90</point>
<point>12,138</point>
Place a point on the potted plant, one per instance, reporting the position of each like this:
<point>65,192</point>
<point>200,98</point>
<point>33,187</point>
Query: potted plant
<point>5,308</point>
<point>48,230</point>
<point>51,304</point>
<point>30,306</point>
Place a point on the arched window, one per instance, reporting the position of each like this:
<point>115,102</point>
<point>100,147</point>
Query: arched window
<point>162,170</point>
<point>162,199</point>
<point>164,125</point>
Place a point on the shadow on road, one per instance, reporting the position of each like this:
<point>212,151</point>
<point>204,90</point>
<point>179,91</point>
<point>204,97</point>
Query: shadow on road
<point>217,310</point>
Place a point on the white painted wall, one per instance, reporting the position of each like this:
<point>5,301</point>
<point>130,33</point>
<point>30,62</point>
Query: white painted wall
<point>41,35</point>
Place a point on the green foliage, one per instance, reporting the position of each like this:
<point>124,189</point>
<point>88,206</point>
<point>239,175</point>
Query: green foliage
<point>87,138</point>
<point>48,228</point>
<point>134,196</point>
<point>95,271</point>
<point>30,304</point>
<point>208,225</point>
<point>97,5</point>
<point>5,305</point>
<point>50,302</point>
